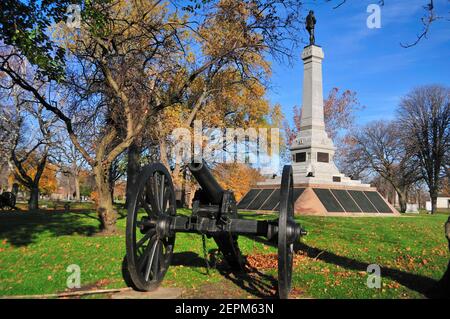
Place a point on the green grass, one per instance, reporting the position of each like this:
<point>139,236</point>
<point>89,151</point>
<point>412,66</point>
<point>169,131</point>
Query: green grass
<point>36,248</point>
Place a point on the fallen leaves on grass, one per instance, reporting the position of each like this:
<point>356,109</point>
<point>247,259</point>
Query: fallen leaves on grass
<point>270,261</point>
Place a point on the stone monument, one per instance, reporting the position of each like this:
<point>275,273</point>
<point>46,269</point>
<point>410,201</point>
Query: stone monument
<point>320,188</point>
<point>312,150</point>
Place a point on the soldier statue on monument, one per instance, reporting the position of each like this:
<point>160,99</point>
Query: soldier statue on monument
<point>310,25</point>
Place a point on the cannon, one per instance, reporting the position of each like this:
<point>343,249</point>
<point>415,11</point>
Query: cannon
<point>152,224</point>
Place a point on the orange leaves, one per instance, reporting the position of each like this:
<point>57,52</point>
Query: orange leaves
<point>270,261</point>
<point>263,261</point>
<point>237,177</point>
<point>48,182</point>
<point>94,197</point>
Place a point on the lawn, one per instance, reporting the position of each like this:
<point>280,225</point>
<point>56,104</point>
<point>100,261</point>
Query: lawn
<point>331,261</point>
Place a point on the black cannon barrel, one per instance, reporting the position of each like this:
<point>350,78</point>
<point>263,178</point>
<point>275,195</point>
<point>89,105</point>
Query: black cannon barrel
<point>207,182</point>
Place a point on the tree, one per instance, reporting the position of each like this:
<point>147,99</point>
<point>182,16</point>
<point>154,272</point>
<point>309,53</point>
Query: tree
<point>234,39</point>
<point>380,145</point>
<point>69,160</point>
<point>424,119</point>
<point>351,159</point>
<point>27,148</point>
<point>131,59</point>
<point>116,59</point>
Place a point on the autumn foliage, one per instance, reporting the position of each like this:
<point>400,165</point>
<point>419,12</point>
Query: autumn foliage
<point>48,182</point>
<point>239,178</point>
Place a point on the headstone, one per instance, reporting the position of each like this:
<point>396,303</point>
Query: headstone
<point>412,208</point>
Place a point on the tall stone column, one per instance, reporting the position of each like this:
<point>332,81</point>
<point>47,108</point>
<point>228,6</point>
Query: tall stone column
<point>313,150</point>
<point>312,111</point>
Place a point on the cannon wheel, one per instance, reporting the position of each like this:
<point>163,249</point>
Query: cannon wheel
<point>149,242</point>
<point>285,248</point>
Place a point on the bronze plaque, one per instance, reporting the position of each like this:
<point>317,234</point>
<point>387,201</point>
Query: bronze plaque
<point>323,157</point>
<point>336,179</point>
<point>300,157</point>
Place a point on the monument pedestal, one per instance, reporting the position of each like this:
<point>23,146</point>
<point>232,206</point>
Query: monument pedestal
<point>320,189</point>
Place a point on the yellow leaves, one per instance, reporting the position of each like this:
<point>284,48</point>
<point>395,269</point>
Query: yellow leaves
<point>48,182</point>
<point>237,177</point>
<point>227,30</point>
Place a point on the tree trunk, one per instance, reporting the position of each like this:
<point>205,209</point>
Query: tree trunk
<point>133,169</point>
<point>76,178</point>
<point>112,184</point>
<point>33,201</point>
<point>433,204</point>
<point>433,196</point>
<point>105,208</point>
<point>402,200</point>
<point>394,198</point>
<point>111,190</point>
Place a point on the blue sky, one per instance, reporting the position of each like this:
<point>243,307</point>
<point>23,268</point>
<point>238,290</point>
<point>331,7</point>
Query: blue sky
<point>370,61</point>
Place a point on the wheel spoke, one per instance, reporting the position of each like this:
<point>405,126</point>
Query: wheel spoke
<point>145,238</point>
<point>147,207</point>
<point>156,261</point>
<point>150,260</point>
<point>144,257</point>
<point>166,199</point>
<point>162,194</point>
<point>156,188</point>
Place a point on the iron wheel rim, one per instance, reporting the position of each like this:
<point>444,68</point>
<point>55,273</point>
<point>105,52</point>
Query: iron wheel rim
<point>148,253</point>
<point>285,249</point>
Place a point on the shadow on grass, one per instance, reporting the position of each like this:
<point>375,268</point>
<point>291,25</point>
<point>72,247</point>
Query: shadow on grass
<point>23,228</point>
<point>251,280</point>
<point>428,287</point>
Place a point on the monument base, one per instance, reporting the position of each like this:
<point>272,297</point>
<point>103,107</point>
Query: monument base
<point>321,200</point>
<point>333,180</point>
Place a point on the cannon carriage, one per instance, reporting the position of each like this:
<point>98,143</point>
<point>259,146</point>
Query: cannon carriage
<point>152,224</point>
